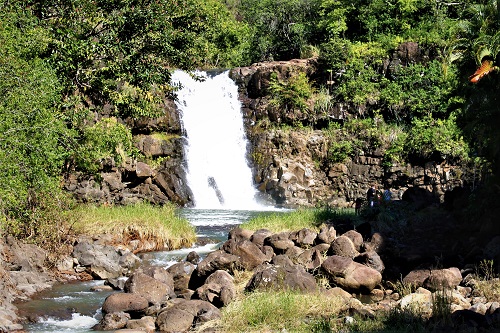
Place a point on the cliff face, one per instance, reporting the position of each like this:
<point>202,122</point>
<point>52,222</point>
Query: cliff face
<point>291,165</point>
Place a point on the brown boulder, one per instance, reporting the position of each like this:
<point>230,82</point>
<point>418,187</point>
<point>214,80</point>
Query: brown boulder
<point>186,314</point>
<point>282,275</point>
<point>443,278</point>
<point>154,291</point>
<point>218,289</point>
<point>351,275</point>
<point>124,302</point>
<point>181,273</point>
<point>249,255</point>
<point>280,242</point>
<point>344,247</point>
<point>112,321</point>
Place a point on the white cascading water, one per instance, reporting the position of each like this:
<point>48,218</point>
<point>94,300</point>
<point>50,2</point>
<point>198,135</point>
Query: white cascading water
<point>217,170</point>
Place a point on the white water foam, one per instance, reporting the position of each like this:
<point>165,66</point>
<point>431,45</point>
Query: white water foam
<point>217,170</point>
<point>78,323</point>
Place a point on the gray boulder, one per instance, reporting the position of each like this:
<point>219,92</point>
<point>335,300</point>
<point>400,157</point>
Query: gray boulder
<point>101,260</point>
<point>112,321</point>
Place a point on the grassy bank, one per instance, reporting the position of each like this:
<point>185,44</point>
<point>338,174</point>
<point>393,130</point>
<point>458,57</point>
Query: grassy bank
<point>147,224</point>
<point>301,218</point>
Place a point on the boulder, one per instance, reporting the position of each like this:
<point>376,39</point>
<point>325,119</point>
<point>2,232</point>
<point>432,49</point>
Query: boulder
<point>355,237</point>
<point>217,260</point>
<point>259,236</point>
<point>240,234</point>
<point>249,254</point>
<point>371,259</point>
<point>124,302</point>
<point>186,314</point>
<point>344,247</point>
<point>154,291</point>
<point>112,321</point>
<point>181,273</point>
<point>219,289</point>
<point>447,278</point>
<point>326,235</point>
<point>305,237</point>
<point>145,324</point>
<point>310,259</point>
<point>101,260</point>
<point>280,242</point>
<point>417,277</point>
<point>350,275</point>
<point>282,274</point>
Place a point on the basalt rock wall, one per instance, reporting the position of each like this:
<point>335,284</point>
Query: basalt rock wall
<point>291,164</point>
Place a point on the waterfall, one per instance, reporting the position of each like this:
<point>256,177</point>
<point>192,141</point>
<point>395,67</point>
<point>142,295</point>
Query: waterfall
<point>217,170</point>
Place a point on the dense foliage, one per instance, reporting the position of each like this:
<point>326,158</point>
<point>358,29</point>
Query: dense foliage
<point>63,62</point>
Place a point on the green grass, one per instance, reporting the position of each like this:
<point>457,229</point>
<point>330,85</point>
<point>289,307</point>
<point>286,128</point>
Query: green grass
<point>278,311</point>
<point>159,225</point>
<point>299,219</point>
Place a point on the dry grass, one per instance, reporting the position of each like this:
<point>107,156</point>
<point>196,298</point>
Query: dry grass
<point>160,227</point>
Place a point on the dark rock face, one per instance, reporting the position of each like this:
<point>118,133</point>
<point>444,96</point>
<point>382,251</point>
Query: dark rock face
<point>285,162</point>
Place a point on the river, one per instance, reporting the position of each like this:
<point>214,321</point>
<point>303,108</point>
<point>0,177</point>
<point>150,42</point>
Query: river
<point>73,307</point>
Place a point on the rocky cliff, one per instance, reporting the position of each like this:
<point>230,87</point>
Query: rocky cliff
<point>290,163</point>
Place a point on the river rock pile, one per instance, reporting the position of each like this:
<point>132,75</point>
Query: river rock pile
<point>191,292</point>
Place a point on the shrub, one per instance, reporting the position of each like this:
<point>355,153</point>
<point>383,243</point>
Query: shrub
<point>106,139</point>
<point>291,94</point>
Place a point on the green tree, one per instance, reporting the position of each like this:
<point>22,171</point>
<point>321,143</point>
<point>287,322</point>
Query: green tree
<point>31,132</point>
<point>122,52</point>
<point>282,28</point>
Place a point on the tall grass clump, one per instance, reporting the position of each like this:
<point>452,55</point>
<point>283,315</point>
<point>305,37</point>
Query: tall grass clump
<point>299,219</point>
<point>487,282</point>
<point>279,311</point>
<point>157,225</point>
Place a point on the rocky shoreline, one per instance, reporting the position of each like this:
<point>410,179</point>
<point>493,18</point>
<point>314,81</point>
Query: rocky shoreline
<point>190,293</point>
